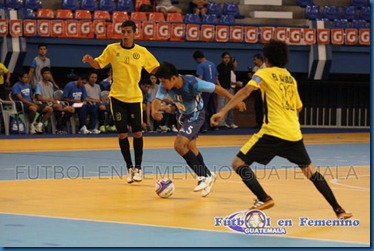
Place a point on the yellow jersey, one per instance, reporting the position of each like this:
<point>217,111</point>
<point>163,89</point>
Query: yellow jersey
<point>281,101</point>
<point>3,70</point>
<point>127,64</point>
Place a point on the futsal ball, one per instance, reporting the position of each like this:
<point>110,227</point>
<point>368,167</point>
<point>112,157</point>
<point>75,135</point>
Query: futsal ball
<point>164,188</point>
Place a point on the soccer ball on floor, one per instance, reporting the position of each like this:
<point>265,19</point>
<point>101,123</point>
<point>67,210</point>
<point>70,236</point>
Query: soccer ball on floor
<point>164,188</point>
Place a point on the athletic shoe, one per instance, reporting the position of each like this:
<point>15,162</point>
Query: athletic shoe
<point>95,131</point>
<point>202,183</point>
<point>112,128</point>
<point>233,126</point>
<point>262,205</point>
<point>341,213</point>
<point>174,128</point>
<point>62,132</point>
<point>138,175</point>
<point>210,180</point>
<point>130,175</point>
<point>84,130</point>
<point>102,129</point>
<point>32,128</point>
<point>39,127</point>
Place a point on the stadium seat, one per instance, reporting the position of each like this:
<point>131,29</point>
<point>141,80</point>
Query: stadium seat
<point>313,12</point>
<point>14,4</point>
<point>108,5</point>
<point>33,4</point>
<point>70,4</point>
<point>28,13</point>
<point>227,19</point>
<point>64,14</point>
<point>174,17</point>
<point>45,13</point>
<point>120,16</point>
<point>365,13</point>
<point>341,23</point>
<point>304,3</point>
<point>359,24</point>
<point>125,5</point>
<point>350,13</point>
<point>331,12</point>
<point>2,5</point>
<point>231,9</point>
<point>101,14</point>
<point>210,19</point>
<point>359,3</point>
<point>192,18</point>
<point>138,16</point>
<point>156,16</point>
<point>214,8</point>
<point>82,14</point>
<point>138,3</point>
<point>90,5</point>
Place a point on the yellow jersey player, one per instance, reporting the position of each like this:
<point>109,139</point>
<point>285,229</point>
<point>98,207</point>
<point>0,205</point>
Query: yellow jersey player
<point>280,134</point>
<point>127,60</point>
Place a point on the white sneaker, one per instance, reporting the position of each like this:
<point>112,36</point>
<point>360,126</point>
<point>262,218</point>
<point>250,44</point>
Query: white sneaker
<point>130,175</point>
<point>233,126</point>
<point>32,129</point>
<point>95,131</point>
<point>84,130</point>
<point>201,183</point>
<point>138,175</point>
<point>39,127</point>
<point>174,128</point>
<point>210,180</point>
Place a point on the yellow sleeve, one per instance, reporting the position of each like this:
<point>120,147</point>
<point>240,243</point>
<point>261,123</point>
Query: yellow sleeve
<point>104,58</point>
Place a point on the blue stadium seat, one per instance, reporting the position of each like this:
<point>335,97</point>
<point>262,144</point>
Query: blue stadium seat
<point>33,4</point>
<point>365,13</point>
<point>2,4</point>
<point>108,5</point>
<point>350,13</point>
<point>27,13</point>
<point>359,3</point>
<point>210,19</point>
<point>304,3</point>
<point>331,12</point>
<point>125,5</point>
<point>341,23</point>
<point>313,12</point>
<point>214,8</point>
<point>359,24</point>
<point>90,5</point>
<point>231,9</point>
<point>192,18</point>
<point>227,19</point>
<point>70,4</point>
<point>14,4</point>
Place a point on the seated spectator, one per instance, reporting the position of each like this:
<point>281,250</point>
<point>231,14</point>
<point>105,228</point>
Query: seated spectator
<point>151,124</point>
<point>165,7</point>
<point>21,91</point>
<point>44,91</point>
<point>107,82</point>
<point>75,93</point>
<point>200,7</point>
<point>145,85</point>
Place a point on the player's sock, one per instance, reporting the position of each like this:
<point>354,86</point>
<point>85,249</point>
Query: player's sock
<point>322,186</point>
<point>125,150</point>
<point>194,163</point>
<point>250,180</point>
<point>138,150</point>
<point>202,164</point>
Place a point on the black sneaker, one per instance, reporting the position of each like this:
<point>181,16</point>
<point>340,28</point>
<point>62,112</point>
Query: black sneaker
<point>341,213</point>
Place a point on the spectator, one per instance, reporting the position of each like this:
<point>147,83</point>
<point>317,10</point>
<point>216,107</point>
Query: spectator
<point>3,83</point>
<point>106,82</point>
<point>258,61</point>
<point>152,125</point>
<point>165,7</point>
<point>199,7</point>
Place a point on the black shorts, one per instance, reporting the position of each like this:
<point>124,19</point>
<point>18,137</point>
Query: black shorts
<point>263,149</point>
<point>126,114</point>
<point>26,107</point>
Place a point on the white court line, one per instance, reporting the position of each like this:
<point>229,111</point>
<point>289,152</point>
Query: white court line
<point>336,182</point>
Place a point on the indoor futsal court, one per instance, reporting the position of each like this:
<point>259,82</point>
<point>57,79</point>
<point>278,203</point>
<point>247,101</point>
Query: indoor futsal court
<point>72,192</point>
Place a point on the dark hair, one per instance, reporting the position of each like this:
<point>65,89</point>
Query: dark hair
<point>145,81</point>
<point>276,52</point>
<point>198,54</point>
<point>42,45</point>
<point>22,72</point>
<point>258,56</point>
<point>166,71</point>
<point>128,23</point>
<point>44,69</point>
<point>225,54</point>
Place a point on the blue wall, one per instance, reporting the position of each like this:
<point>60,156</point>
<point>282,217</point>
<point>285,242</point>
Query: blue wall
<point>69,52</point>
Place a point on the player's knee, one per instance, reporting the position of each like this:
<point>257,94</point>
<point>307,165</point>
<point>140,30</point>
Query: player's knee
<point>122,135</point>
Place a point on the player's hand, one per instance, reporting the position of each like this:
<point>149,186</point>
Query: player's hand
<point>157,116</point>
<point>215,119</point>
<point>241,107</point>
<point>87,58</point>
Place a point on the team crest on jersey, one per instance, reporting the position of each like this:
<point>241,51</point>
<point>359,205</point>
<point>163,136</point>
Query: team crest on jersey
<point>118,116</point>
<point>136,55</point>
<point>117,54</point>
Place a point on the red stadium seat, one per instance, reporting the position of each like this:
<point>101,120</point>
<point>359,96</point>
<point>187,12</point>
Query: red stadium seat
<point>139,16</point>
<point>45,13</point>
<point>174,17</point>
<point>64,14</point>
<point>82,14</point>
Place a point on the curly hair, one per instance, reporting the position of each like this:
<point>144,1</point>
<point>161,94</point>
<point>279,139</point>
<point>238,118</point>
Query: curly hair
<point>276,52</point>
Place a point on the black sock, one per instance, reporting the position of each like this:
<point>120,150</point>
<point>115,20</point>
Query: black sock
<point>194,163</point>
<point>125,150</point>
<point>58,120</point>
<point>324,188</point>
<point>250,180</point>
<point>202,164</point>
<point>138,150</point>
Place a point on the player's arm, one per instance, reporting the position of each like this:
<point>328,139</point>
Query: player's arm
<point>91,61</point>
<point>7,79</point>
